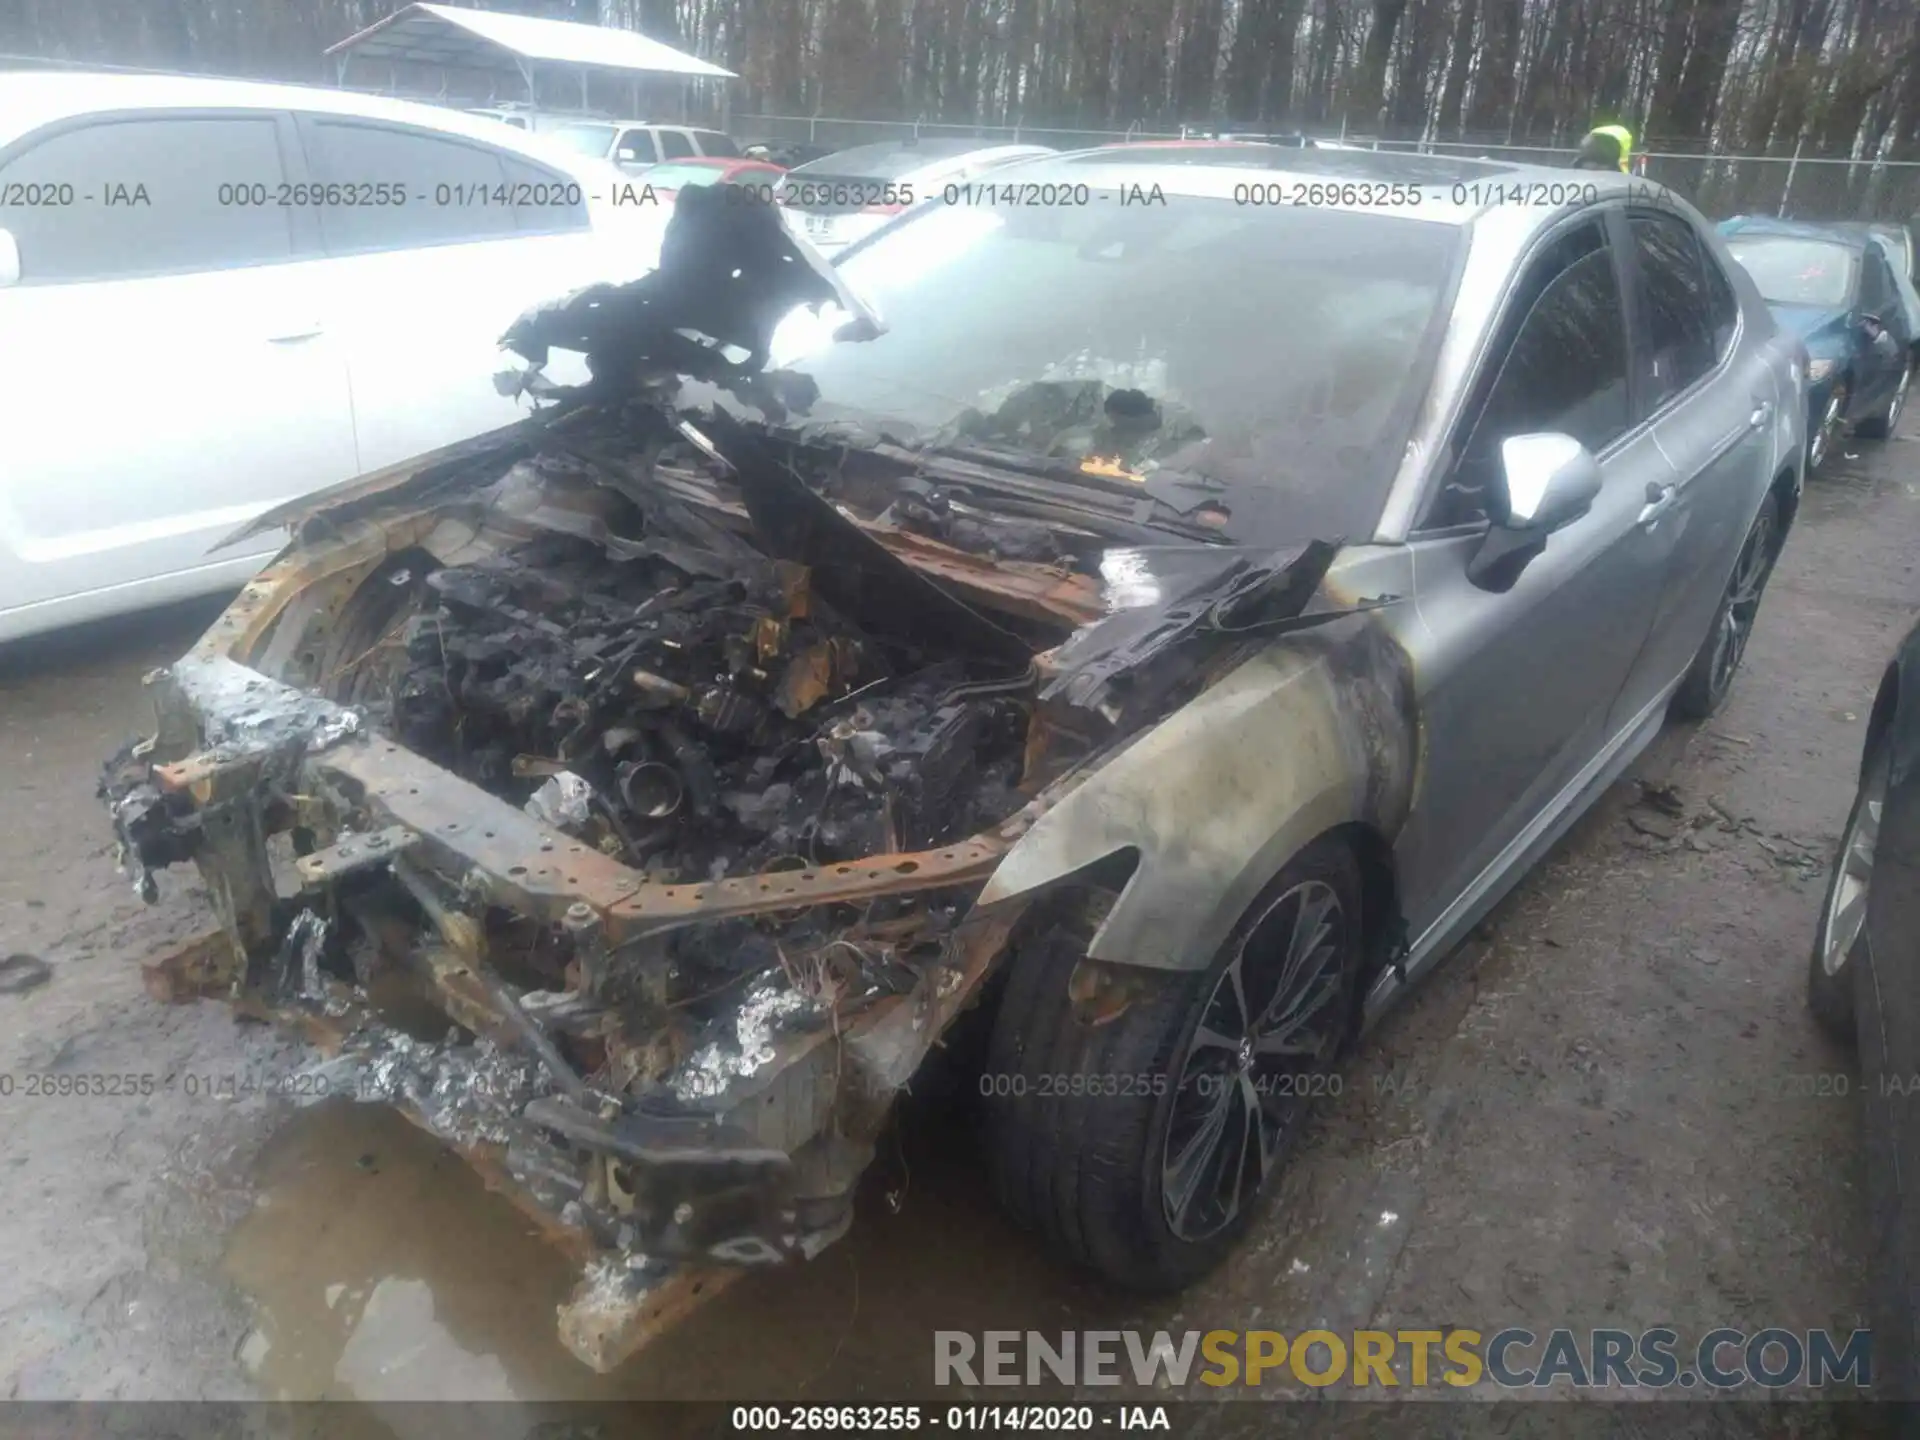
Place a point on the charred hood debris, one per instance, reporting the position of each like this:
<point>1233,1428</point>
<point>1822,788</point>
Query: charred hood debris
<point>661,754</point>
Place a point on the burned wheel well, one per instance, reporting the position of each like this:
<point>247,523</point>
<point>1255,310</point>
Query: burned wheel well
<point>1380,905</point>
<point>345,663</point>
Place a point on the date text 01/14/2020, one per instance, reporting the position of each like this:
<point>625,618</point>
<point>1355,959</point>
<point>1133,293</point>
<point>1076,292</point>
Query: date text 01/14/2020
<point>1306,1085</point>
<point>907,1419</point>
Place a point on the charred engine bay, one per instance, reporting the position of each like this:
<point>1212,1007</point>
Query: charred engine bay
<point>693,727</point>
<point>634,668</point>
<point>656,683</point>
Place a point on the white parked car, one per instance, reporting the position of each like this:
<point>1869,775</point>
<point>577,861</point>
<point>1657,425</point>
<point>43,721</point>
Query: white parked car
<point>851,193</point>
<point>216,296</point>
<point>635,144</point>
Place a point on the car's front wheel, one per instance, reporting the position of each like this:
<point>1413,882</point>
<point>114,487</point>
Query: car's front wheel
<point>1138,1135</point>
<point>1827,428</point>
<point>1843,913</point>
<point>1718,659</point>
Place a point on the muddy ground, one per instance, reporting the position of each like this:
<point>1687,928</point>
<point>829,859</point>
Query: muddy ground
<point>1593,1116</point>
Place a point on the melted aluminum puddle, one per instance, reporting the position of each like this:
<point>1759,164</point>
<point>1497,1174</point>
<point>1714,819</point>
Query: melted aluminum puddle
<point>711,1069</point>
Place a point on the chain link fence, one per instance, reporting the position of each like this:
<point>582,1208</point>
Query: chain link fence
<point>1798,187</point>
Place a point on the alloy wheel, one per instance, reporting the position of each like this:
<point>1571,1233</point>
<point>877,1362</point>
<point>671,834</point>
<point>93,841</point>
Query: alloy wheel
<point>1743,601</point>
<point>1270,1019</point>
<point>1827,434</point>
<point>1846,911</point>
<point>1899,398</point>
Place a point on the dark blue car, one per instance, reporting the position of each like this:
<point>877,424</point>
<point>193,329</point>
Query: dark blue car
<point>1833,287</point>
<point>1863,985</point>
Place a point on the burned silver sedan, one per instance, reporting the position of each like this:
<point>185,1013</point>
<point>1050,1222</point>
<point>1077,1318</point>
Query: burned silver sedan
<point>1170,621</point>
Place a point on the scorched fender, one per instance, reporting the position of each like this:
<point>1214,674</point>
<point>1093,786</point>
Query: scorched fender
<point>1311,733</point>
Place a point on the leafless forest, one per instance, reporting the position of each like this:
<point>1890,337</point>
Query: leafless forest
<point>1837,78</point>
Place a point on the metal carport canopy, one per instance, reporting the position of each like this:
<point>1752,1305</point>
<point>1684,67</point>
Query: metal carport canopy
<point>488,40</point>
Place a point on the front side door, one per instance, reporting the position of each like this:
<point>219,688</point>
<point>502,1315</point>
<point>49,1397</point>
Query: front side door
<point>676,144</point>
<point>423,288</point>
<point>1886,343</point>
<point>1711,397</point>
<point>167,370</point>
<point>1516,685</point>
<point>636,149</point>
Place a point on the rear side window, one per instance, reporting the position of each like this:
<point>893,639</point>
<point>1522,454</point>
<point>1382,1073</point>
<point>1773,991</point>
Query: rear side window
<point>454,191</point>
<point>712,142</point>
<point>1675,306</point>
<point>1560,364</point>
<point>676,144</point>
<point>147,196</point>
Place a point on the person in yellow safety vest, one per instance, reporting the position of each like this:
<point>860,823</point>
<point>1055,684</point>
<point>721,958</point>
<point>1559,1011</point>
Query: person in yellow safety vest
<point>1607,147</point>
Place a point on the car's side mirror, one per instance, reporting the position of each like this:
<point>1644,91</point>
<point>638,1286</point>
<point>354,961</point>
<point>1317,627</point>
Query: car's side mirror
<point>9,259</point>
<point>1546,482</point>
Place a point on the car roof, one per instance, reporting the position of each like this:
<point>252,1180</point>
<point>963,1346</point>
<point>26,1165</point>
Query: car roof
<point>1248,150</point>
<point>1451,189</point>
<point>899,156</point>
<point>1877,230</point>
<point>30,99</point>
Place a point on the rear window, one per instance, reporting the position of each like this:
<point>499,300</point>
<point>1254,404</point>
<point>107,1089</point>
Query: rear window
<point>712,142</point>
<point>1788,270</point>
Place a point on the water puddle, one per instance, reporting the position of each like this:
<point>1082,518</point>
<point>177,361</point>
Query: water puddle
<point>381,1269</point>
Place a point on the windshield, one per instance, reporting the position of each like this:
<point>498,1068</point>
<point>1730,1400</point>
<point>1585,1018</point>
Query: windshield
<point>1792,271</point>
<point>585,139</point>
<point>1281,352</point>
<point>672,177</point>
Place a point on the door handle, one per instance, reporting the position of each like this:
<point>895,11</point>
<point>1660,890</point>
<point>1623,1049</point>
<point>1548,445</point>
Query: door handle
<point>1660,499</point>
<point>295,331</point>
<point>1762,413</point>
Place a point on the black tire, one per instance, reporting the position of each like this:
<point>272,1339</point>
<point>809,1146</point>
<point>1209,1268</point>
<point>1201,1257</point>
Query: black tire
<point>1087,1171</point>
<point>1710,676</point>
<point>1880,426</point>
<point>1836,942</point>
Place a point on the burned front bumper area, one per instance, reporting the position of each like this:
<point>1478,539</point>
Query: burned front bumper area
<point>615,851</point>
<point>648,1126</point>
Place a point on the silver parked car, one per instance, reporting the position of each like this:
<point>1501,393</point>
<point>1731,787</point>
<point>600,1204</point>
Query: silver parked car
<point>1164,619</point>
<point>850,193</point>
